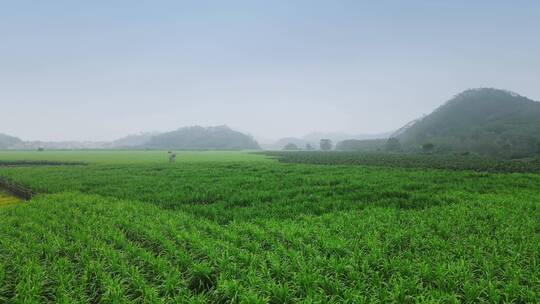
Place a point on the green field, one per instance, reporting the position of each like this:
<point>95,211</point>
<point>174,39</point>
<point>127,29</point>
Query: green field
<point>129,157</point>
<point>234,227</point>
<point>408,160</point>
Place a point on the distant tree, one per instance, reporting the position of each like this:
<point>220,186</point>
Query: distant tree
<point>393,145</point>
<point>428,147</point>
<point>290,147</point>
<point>326,144</point>
<point>309,147</point>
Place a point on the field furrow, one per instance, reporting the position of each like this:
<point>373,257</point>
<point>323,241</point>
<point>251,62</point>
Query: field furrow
<point>269,233</point>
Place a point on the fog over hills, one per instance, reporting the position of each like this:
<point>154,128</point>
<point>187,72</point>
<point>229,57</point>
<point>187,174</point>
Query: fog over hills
<point>7,141</point>
<point>186,138</point>
<point>485,120</point>
<point>314,138</point>
<point>200,138</point>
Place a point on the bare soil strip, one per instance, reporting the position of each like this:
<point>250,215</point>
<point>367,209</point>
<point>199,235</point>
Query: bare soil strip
<point>8,199</point>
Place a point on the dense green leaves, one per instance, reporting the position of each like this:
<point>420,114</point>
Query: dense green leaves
<point>366,145</point>
<point>87,248</point>
<point>268,232</point>
<point>418,161</point>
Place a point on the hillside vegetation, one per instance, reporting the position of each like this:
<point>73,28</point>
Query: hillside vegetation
<point>366,145</point>
<point>485,121</point>
<point>200,138</point>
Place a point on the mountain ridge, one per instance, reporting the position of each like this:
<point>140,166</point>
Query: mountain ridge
<point>184,138</point>
<point>483,120</point>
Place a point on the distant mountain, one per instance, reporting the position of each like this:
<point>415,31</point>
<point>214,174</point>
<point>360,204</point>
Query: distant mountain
<point>201,138</point>
<point>188,138</point>
<point>402,130</point>
<point>7,141</point>
<point>132,141</point>
<point>485,121</point>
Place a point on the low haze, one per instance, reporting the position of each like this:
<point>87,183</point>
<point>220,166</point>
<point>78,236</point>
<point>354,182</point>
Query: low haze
<point>99,70</point>
<point>277,151</point>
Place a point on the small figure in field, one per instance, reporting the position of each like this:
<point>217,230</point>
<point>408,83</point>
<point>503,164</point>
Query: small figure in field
<point>172,157</point>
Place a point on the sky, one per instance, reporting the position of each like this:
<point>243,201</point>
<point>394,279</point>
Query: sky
<point>99,70</point>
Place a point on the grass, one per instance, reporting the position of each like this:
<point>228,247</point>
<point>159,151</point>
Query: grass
<point>406,160</point>
<point>130,157</point>
<point>259,231</point>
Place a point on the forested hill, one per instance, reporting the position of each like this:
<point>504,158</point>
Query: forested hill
<point>487,121</point>
<point>201,138</point>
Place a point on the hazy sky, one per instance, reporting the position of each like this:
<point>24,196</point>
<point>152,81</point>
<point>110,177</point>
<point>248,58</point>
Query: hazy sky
<point>98,70</point>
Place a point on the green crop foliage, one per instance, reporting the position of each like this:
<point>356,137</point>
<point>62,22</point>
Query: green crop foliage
<point>253,230</point>
<point>403,160</point>
<point>129,157</point>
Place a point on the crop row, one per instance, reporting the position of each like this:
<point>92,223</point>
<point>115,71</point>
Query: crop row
<point>402,160</point>
<point>269,232</point>
<point>75,248</point>
<point>237,191</point>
